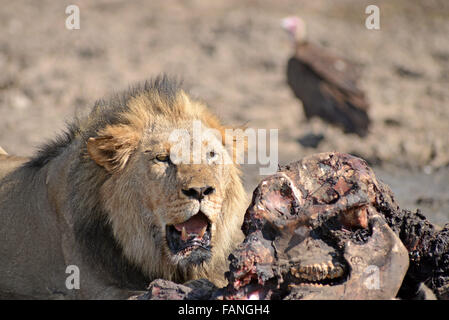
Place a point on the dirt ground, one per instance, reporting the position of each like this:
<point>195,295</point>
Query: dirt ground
<point>232,54</point>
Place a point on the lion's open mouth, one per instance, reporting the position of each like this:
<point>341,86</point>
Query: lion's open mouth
<point>185,237</point>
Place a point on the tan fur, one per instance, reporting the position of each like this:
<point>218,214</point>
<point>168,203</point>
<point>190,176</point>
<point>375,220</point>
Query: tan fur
<point>50,215</point>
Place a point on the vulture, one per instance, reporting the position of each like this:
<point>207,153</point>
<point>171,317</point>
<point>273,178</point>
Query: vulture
<point>326,84</point>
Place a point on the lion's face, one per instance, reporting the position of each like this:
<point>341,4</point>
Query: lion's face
<point>186,198</point>
<point>175,212</point>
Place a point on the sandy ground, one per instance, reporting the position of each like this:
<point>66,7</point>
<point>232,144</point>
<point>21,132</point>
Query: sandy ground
<point>232,54</point>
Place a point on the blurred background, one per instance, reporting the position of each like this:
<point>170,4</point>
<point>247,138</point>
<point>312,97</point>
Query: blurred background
<point>232,54</point>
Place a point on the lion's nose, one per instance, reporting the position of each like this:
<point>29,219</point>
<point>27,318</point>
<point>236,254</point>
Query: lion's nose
<point>198,193</point>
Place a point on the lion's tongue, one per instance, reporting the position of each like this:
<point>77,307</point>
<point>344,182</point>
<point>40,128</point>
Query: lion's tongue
<point>196,224</point>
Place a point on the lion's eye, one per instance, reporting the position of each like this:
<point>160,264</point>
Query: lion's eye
<point>162,157</point>
<point>212,155</point>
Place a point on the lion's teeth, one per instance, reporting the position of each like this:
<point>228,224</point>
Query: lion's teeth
<point>184,235</point>
<point>202,232</point>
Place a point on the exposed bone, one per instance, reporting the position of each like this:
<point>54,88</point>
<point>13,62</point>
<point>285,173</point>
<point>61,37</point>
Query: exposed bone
<point>324,267</point>
<point>333,196</point>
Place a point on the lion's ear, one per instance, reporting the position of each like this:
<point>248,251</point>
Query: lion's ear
<point>113,147</point>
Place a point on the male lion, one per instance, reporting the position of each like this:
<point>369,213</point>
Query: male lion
<point>108,198</point>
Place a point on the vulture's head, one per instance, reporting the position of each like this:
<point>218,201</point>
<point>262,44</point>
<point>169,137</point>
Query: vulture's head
<point>296,28</point>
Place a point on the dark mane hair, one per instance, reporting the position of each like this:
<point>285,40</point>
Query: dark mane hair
<point>104,112</point>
